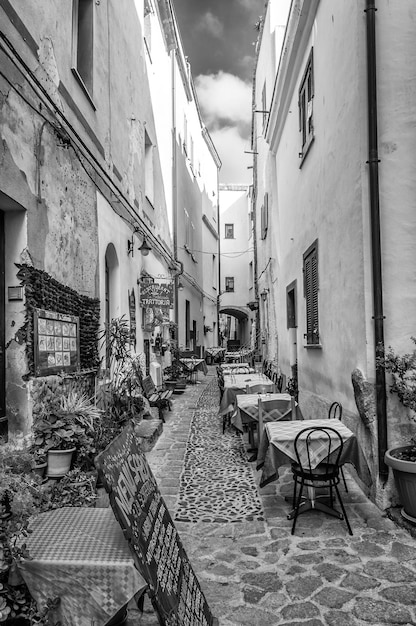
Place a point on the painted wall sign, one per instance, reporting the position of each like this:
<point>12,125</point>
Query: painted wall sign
<point>156,546</point>
<point>56,342</point>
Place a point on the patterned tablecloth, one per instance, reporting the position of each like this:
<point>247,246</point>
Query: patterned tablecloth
<point>235,384</point>
<point>81,556</point>
<point>247,408</point>
<point>277,448</point>
<point>230,368</point>
<point>194,365</point>
<point>215,351</point>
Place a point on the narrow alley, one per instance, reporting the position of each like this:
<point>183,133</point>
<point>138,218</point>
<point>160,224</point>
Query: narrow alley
<point>251,569</point>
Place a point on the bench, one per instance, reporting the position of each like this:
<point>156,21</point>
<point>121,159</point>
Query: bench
<point>161,399</point>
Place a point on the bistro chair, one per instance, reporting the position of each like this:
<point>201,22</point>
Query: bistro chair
<point>272,411</point>
<point>327,473</point>
<point>241,370</point>
<point>260,388</point>
<point>335,412</point>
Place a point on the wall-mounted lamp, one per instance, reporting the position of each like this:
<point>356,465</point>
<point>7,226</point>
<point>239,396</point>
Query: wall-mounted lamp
<point>180,286</point>
<point>264,294</point>
<point>145,248</point>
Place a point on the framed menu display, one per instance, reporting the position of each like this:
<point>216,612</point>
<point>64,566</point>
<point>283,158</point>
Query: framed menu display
<point>56,342</point>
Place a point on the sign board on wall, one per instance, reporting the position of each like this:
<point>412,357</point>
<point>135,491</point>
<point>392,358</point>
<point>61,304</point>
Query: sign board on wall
<point>56,342</point>
<point>156,299</point>
<point>156,546</point>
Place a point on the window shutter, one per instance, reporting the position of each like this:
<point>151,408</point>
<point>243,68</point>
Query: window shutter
<point>311,287</point>
<point>265,216</point>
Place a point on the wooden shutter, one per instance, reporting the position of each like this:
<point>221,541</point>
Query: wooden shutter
<point>311,283</point>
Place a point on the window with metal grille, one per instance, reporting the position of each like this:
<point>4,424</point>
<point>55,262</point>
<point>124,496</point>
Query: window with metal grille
<point>311,288</point>
<point>306,93</point>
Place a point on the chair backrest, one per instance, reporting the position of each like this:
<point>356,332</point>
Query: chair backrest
<point>335,411</point>
<point>279,383</point>
<point>274,410</point>
<point>329,439</point>
<point>260,388</point>
<point>148,386</point>
<point>241,370</point>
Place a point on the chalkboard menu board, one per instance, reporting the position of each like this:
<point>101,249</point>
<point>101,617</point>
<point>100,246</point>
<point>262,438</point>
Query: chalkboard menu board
<point>159,554</point>
<point>56,342</point>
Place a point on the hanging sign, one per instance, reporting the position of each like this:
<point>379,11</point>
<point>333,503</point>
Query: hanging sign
<point>154,541</point>
<point>156,299</point>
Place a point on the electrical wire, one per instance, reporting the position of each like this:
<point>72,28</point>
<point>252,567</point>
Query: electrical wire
<point>267,265</point>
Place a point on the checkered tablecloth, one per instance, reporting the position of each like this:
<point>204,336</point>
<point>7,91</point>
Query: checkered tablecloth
<point>283,434</point>
<point>194,365</point>
<point>236,384</point>
<point>81,556</point>
<point>247,407</point>
<point>271,456</point>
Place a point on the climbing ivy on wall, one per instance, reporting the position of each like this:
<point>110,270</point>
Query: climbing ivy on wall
<point>44,292</point>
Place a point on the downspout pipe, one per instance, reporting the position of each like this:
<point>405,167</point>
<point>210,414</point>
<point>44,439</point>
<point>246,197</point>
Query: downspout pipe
<point>373,162</point>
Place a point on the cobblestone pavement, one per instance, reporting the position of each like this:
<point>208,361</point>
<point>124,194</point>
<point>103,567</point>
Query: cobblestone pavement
<point>256,573</point>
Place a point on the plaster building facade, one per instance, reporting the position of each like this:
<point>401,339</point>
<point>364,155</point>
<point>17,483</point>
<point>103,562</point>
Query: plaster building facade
<point>336,245</point>
<point>190,166</point>
<point>86,192</point>
<point>237,314</point>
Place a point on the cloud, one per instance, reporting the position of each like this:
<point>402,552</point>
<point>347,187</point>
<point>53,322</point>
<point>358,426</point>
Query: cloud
<point>225,100</point>
<point>230,147</point>
<point>210,24</point>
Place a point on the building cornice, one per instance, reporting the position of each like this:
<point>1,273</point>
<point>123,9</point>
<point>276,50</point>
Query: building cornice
<point>299,26</point>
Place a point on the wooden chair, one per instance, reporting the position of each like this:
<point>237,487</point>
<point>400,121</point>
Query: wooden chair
<point>335,412</point>
<point>327,473</point>
<point>160,399</point>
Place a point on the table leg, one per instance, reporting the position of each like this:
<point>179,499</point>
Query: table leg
<point>314,502</point>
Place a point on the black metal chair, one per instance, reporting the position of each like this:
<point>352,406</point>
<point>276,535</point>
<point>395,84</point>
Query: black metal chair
<point>335,412</point>
<point>326,474</point>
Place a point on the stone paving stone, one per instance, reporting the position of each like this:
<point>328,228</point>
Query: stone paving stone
<point>255,573</point>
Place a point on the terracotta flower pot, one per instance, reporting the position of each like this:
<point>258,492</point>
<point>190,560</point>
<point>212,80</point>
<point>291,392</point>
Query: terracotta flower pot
<point>39,469</point>
<point>405,477</point>
<point>59,462</point>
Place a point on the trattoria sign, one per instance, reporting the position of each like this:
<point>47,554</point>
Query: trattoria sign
<point>156,295</point>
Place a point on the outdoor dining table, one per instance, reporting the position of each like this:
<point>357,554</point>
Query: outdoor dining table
<point>277,449</point>
<point>235,384</point>
<point>247,407</point>
<point>195,365</point>
<point>80,555</point>
<point>230,368</point>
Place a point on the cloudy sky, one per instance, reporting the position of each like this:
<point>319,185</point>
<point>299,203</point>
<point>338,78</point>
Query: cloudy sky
<point>218,38</point>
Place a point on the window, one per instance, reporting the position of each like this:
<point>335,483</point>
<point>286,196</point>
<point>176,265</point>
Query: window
<point>291,305</point>
<point>83,42</point>
<point>189,232</point>
<point>311,286</point>
<point>306,93</point>
<point>185,135</point>
<point>229,231</point>
<point>264,107</point>
<point>214,271</point>
<point>229,283</point>
<point>148,168</point>
<point>264,217</point>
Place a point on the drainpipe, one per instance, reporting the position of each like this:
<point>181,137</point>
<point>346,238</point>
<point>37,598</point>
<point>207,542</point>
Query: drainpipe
<point>373,161</point>
<point>174,193</point>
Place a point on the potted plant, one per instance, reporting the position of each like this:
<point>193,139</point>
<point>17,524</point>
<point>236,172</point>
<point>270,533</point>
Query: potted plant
<point>61,432</point>
<point>402,459</point>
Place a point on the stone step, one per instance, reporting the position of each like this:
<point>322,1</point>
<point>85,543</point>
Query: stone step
<point>148,431</point>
